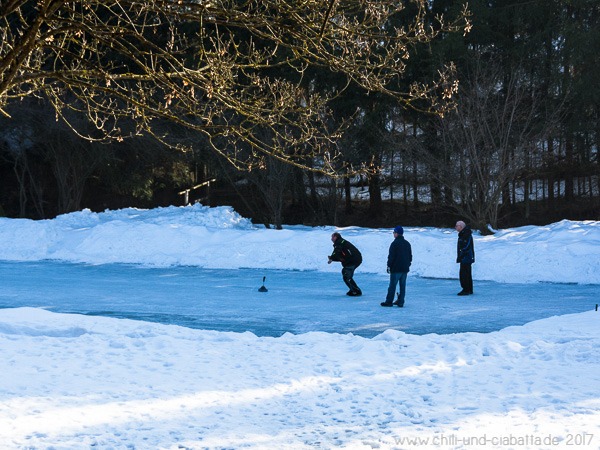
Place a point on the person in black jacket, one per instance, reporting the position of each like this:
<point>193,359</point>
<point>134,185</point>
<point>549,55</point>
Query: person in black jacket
<point>350,257</point>
<point>465,256</point>
<point>398,265</point>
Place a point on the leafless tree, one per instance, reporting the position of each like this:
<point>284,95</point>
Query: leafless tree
<point>486,141</point>
<point>233,70</point>
<point>47,159</point>
<point>17,147</point>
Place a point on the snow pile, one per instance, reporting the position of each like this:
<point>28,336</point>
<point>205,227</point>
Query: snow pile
<point>219,238</point>
<point>74,382</point>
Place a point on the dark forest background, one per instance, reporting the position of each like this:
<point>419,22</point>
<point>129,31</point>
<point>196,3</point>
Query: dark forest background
<point>521,146</point>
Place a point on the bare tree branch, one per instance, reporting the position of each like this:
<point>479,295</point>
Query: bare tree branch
<point>230,69</point>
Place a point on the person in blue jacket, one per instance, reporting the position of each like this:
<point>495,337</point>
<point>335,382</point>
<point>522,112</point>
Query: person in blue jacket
<point>350,257</point>
<point>398,265</point>
<point>465,256</point>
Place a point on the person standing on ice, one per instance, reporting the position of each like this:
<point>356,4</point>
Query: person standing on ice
<point>465,256</point>
<point>350,257</point>
<point>398,265</point>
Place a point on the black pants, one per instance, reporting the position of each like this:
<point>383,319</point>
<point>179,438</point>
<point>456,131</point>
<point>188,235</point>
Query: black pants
<point>466,279</point>
<point>347,275</point>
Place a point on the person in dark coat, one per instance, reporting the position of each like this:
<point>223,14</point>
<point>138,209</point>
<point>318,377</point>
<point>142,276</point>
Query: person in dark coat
<point>465,256</point>
<point>398,265</point>
<point>350,257</point>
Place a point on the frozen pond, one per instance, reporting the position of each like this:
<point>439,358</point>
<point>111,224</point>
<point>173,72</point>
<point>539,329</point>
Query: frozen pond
<point>296,301</point>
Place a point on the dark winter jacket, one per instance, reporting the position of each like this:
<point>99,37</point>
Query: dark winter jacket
<point>346,253</point>
<point>399,256</point>
<point>465,252</point>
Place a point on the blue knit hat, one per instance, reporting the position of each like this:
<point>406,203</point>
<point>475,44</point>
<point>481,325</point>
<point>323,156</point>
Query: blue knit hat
<point>399,230</point>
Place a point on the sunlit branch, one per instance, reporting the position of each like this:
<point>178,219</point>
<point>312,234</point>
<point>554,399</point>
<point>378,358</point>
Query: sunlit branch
<point>216,67</point>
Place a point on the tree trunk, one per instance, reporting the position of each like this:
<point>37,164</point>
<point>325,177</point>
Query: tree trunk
<point>375,202</point>
<point>550,165</point>
<point>347,195</point>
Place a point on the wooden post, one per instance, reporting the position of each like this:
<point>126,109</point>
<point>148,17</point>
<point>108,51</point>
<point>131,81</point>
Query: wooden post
<point>186,193</point>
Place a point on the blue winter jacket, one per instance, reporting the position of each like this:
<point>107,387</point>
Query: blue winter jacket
<point>399,256</point>
<point>465,251</point>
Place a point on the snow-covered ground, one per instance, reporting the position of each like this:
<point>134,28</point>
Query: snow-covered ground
<point>78,382</point>
<point>563,252</point>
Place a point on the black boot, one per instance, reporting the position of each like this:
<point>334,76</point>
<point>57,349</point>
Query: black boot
<point>398,302</point>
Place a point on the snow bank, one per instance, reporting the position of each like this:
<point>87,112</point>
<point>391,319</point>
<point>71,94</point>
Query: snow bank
<point>563,252</point>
